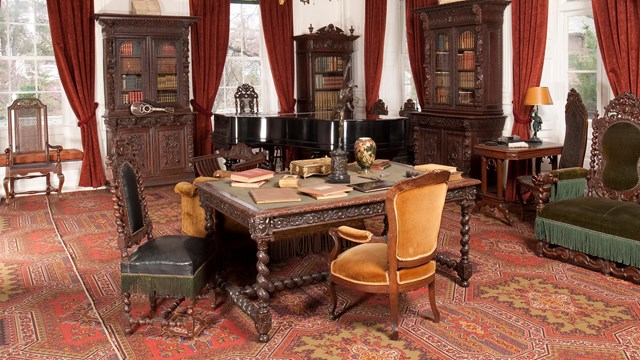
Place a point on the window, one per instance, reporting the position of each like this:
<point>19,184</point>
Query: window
<point>585,71</point>
<point>408,86</point>
<point>244,55</point>
<point>27,64</point>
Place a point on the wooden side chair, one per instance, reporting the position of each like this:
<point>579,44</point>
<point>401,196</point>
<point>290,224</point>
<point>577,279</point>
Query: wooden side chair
<point>29,154</point>
<point>402,261</point>
<point>246,99</point>
<point>168,266</point>
<point>379,108</point>
<point>570,173</point>
<point>408,107</point>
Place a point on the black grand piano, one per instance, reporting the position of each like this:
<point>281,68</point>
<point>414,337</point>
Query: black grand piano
<point>304,131</point>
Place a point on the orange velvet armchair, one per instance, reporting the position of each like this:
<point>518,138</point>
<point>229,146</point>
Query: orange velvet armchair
<point>404,259</point>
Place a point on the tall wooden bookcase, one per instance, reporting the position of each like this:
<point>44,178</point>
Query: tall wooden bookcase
<point>321,62</point>
<point>146,58</point>
<point>463,90</point>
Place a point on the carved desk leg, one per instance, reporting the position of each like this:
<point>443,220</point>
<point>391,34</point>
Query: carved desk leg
<point>463,267</point>
<point>263,316</point>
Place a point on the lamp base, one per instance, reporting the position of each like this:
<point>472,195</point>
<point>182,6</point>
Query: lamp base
<point>534,140</point>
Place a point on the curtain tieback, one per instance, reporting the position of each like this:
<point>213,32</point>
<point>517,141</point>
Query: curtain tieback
<point>84,121</point>
<point>200,109</point>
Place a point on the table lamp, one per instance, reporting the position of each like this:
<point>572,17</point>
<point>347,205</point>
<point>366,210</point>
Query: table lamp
<point>537,96</point>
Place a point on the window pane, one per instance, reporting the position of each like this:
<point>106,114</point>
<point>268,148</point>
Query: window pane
<point>21,40</point>
<point>23,76</point>
<point>583,45</point>
<point>5,76</point>
<point>54,106</point>
<point>583,59</point>
<point>19,10</point>
<point>42,15</point>
<point>43,38</point>
<point>48,78</point>
<point>233,73</point>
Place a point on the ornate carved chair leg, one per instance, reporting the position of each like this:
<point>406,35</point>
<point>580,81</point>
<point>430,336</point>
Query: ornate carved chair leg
<point>432,301</point>
<point>394,303</point>
<point>190,323</point>
<point>130,324</point>
<point>153,301</point>
<point>49,187</point>
<point>7,194</point>
<point>334,300</point>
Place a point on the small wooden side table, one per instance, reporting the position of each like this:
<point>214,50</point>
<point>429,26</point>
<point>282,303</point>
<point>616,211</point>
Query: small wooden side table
<point>496,155</point>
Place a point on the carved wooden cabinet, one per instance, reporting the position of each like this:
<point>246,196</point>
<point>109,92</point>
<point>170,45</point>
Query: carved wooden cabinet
<point>463,87</point>
<point>321,62</point>
<point>146,58</point>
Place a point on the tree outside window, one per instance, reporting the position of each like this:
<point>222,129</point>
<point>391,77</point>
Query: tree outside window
<point>27,64</point>
<point>244,58</point>
<point>583,59</point>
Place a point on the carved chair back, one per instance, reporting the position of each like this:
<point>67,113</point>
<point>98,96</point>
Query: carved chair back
<point>615,151</point>
<point>246,99</point>
<point>414,204</point>
<point>238,157</point>
<point>28,127</point>
<point>576,128</point>
<point>132,216</point>
<point>408,107</point>
<point>379,108</point>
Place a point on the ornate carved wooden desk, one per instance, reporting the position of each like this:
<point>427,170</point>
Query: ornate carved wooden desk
<point>496,155</point>
<point>264,220</point>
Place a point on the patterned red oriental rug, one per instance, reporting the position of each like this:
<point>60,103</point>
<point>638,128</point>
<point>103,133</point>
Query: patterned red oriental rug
<point>60,299</point>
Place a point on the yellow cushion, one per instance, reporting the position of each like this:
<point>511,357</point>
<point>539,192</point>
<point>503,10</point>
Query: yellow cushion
<point>367,264</point>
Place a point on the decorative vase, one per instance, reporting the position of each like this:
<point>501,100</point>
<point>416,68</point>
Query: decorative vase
<point>365,152</point>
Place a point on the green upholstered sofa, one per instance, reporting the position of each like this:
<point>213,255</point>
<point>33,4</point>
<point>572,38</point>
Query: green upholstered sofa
<point>600,230</point>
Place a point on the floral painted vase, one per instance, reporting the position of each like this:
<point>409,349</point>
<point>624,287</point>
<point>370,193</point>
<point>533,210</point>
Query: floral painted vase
<point>365,152</point>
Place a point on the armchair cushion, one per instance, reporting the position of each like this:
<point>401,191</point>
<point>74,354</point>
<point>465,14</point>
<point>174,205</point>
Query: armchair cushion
<point>599,226</point>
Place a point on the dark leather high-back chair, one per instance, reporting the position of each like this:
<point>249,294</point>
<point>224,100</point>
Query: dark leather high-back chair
<point>29,153</point>
<point>168,266</point>
<point>405,259</point>
<point>246,99</point>
<point>573,150</point>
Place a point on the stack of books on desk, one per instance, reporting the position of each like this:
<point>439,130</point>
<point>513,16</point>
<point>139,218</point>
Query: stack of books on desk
<point>251,178</point>
<point>325,191</point>
<point>380,164</point>
<point>455,174</point>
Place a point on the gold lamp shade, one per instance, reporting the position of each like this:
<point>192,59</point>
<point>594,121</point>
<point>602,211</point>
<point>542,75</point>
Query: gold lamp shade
<point>538,96</point>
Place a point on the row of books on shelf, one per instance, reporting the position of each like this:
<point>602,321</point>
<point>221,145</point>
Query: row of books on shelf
<point>325,100</point>
<point>466,97</point>
<point>129,48</point>
<point>167,49</point>
<point>442,95</point>
<point>466,40</point>
<point>465,79</point>
<point>466,60</point>
<point>442,60</point>
<point>132,81</point>
<point>130,65</point>
<point>328,82</point>
<point>442,42</point>
<point>442,78</point>
<point>167,97</point>
<point>167,81</point>
<point>131,97</point>
<point>166,65</point>
<point>328,63</point>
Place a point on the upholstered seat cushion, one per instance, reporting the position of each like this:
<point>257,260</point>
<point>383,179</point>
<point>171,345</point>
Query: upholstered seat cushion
<point>619,218</point>
<point>176,255</point>
<point>367,264</point>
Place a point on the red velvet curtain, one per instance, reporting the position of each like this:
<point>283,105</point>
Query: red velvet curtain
<point>618,28</point>
<point>209,43</point>
<point>529,32</point>
<point>277,26</point>
<point>73,37</point>
<point>375,21</point>
<point>415,42</point>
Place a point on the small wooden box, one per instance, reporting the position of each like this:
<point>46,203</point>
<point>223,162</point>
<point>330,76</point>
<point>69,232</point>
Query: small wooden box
<point>308,167</point>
